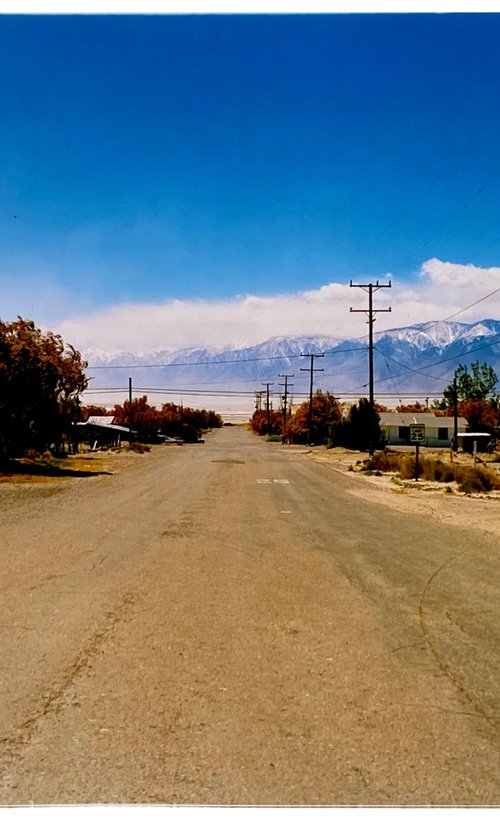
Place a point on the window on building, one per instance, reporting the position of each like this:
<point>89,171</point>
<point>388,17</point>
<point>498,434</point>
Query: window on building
<point>404,434</point>
<point>442,434</point>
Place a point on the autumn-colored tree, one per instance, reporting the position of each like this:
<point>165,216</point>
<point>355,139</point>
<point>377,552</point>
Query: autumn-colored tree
<point>194,421</point>
<point>171,420</point>
<point>416,407</point>
<point>87,410</point>
<point>40,382</point>
<point>325,411</point>
<point>145,418</point>
<point>263,426</point>
<point>481,416</point>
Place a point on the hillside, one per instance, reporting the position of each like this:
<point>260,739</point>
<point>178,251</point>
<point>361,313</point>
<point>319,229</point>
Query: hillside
<point>416,360</point>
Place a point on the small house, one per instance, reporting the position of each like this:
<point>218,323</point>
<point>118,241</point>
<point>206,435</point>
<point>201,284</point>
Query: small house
<point>396,428</point>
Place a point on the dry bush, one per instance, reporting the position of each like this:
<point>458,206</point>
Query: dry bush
<point>37,455</point>
<point>403,464</point>
<point>470,480</point>
<point>138,447</point>
<point>386,462</point>
<point>407,467</point>
<point>476,480</point>
<point>434,470</point>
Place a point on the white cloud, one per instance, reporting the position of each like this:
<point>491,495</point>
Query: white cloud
<point>442,289</point>
<point>459,276</point>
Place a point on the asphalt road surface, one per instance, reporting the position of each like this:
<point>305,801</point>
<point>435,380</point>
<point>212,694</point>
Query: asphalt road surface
<point>227,624</point>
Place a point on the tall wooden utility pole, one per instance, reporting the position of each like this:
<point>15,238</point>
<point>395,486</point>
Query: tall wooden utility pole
<point>285,376</point>
<point>312,369</point>
<point>455,414</point>
<point>130,408</point>
<point>370,289</point>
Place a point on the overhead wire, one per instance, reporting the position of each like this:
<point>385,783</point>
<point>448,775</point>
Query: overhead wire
<point>332,351</point>
<point>449,220</point>
<point>491,343</point>
<point>398,394</point>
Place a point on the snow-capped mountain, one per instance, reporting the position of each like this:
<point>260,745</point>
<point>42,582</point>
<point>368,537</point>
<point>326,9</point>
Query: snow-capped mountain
<point>440,334</point>
<point>420,359</point>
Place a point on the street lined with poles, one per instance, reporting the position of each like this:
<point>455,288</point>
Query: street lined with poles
<point>238,630</point>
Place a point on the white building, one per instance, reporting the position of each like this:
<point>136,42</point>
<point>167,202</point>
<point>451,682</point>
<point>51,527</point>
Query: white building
<point>438,429</point>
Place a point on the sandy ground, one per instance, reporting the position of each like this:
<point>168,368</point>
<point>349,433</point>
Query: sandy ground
<point>480,512</point>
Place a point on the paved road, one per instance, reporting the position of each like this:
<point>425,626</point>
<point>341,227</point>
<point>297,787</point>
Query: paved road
<point>226,623</point>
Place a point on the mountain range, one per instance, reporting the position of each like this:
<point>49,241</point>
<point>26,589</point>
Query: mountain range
<point>419,360</point>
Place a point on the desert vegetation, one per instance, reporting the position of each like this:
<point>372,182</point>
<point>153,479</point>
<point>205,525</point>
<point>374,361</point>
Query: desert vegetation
<point>469,479</point>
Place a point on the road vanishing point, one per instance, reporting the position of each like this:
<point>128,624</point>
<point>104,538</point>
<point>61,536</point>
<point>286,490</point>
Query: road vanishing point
<point>226,623</point>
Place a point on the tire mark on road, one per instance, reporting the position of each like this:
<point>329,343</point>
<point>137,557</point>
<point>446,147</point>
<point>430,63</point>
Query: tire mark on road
<point>52,700</point>
<point>445,666</point>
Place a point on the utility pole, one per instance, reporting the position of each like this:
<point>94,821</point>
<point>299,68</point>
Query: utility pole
<point>268,385</point>
<point>370,289</point>
<point>258,399</point>
<point>285,376</point>
<point>130,408</point>
<point>455,414</point>
<point>312,369</point>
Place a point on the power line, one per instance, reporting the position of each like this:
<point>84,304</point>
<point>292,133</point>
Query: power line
<point>411,369</point>
<point>443,361</point>
<point>333,352</point>
<point>394,383</point>
<point>353,392</point>
<point>474,303</point>
<point>448,220</point>
<point>229,393</point>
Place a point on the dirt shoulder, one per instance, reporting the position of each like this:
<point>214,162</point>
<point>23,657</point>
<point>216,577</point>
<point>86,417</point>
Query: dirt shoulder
<point>442,502</point>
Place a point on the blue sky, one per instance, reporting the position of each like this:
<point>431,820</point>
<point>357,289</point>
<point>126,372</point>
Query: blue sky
<point>148,160</point>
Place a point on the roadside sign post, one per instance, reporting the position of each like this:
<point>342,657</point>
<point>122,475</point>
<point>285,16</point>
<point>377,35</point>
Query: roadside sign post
<point>417,436</point>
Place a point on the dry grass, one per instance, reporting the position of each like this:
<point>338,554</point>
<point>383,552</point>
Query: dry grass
<point>45,469</point>
<point>139,447</point>
<point>469,479</point>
